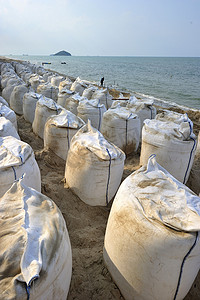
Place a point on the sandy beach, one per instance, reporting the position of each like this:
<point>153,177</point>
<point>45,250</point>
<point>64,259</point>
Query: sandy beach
<point>86,225</point>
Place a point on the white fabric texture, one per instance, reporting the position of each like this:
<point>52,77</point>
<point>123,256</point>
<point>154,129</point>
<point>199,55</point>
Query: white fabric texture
<point>7,128</point>
<point>9,114</point>
<point>94,166</point>
<point>174,145</point>
<point>59,131</point>
<point>153,223</point>
<point>16,98</point>
<point>36,244</point>
<point>17,158</point>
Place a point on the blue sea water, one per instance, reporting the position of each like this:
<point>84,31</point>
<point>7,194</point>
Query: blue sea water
<point>174,79</point>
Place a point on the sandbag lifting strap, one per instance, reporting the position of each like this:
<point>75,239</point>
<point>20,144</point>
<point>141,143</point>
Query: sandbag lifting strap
<point>110,159</point>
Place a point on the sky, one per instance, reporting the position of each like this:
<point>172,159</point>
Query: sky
<point>100,28</point>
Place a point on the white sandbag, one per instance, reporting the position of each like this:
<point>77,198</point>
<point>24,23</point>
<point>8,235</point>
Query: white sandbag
<point>55,81</point>
<point>9,114</point>
<point>45,108</point>
<point>93,110</point>
<point>122,128</point>
<point>72,103</point>
<point>35,80</point>
<point>122,103</point>
<point>78,86</point>
<point>151,247</point>
<point>65,84</point>
<point>174,146</point>
<point>143,108</point>
<point>88,92</point>
<point>16,98</point>
<point>63,95</point>
<point>172,116</point>
<point>17,158</point>
<point>5,79</point>
<point>7,91</point>
<point>35,251</point>
<point>48,90</point>
<point>104,97</point>
<point>7,128</point>
<point>29,105</point>
<point>94,167</point>
<point>59,131</point>
<point>3,101</point>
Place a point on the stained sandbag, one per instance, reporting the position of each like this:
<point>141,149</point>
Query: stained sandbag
<point>122,128</point>
<point>143,108</point>
<point>45,108</point>
<point>65,84</point>
<point>63,95</point>
<point>55,81</point>
<point>7,128</point>
<point>151,245</point>
<point>91,110</point>
<point>35,248</point>
<point>104,96</point>
<point>48,90</point>
<point>29,105</point>
<point>88,92</point>
<point>59,131</point>
<point>35,80</point>
<point>17,158</point>
<point>72,103</point>
<point>16,98</point>
<point>173,143</point>
<point>9,114</point>
<point>94,167</point>
<point>78,86</point>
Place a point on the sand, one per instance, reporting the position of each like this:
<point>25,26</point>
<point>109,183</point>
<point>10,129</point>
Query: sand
<point>86,225</point>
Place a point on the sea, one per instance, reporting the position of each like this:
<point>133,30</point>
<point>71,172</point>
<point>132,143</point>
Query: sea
<point>173,79</point>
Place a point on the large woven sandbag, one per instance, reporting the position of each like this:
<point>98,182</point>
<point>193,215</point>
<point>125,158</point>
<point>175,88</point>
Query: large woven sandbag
<point>88,92</point>
<point>48,90</point>
<point>94,167</point>
<point>45,108</point>
<point>55,81</point>
<point>8,113</point>
<point>122,128</point>
<point>3,101</point>
<point>143,108</point>
<point>35,80</point>
<point>59,131</point>
<point>16,98</point>
<point>7,91</point>
<point>63,95</point>
<point>174,145</point>
<point>17,158</point>
<point>72,103</point>
<point>93,110</point>
<point>78,86</point>
<point>5,78</point>
<point>65,84</point>
<point>104,97</point>
<point>151,246</point>
<point>29,105</point>
<point>7,128</point>
<point>35,252</point>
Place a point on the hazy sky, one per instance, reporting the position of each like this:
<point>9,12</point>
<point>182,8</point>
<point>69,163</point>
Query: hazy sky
<point>103,27</point>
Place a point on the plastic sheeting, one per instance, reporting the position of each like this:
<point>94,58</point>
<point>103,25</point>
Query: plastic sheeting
<point>59,131</point>
<point>94,167</point>
<point>35,247</point>
<point>151,243</point>
<point>17,158</point>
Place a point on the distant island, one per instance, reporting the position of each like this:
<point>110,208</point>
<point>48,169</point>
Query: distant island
<point>62,53</point>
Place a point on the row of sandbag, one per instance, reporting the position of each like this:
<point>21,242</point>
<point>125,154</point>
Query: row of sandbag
<point>35,248</point>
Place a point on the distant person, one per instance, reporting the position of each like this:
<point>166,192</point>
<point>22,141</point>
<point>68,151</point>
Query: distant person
<point>102,80</point>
